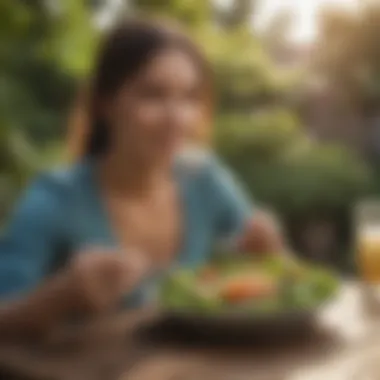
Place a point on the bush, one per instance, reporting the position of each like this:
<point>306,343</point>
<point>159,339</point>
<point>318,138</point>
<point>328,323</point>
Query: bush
<point>282,167</point>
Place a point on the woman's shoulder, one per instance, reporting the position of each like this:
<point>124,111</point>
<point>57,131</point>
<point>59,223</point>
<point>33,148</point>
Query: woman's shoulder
<point>211,176</point>
<point>58,183</point>
<point>46,199</point>
<point>197,161</point>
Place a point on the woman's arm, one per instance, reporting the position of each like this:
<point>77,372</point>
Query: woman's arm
<point>237,221</point>
<point>262,234</point>
<point>27,250</point>
<point>37,313</point>
<point>93,283</point>
<point>31,304</point>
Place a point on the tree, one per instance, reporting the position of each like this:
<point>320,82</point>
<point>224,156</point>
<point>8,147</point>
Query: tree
<point>283,168</point>
<point>235,14</point>
<point>44,48</point>
<point>245,76</point>
<point>348,55</point>
<point>190,13</point>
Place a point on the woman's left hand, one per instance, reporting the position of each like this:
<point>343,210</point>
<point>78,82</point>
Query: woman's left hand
<point>263,235</point>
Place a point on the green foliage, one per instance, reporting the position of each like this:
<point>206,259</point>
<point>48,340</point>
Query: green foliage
<point>266,136</point>
<point>243,81</point>
<point>191,13</point>
<point>44,48</point>
<point>324,178</point>
<point>18,160</point>
<point>299,288</point>
<point>285,169</point>
<point>72,38</point>
<point>47,46</point>
<point>351,37</point>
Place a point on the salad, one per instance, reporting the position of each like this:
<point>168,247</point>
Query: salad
<point>249,285</point>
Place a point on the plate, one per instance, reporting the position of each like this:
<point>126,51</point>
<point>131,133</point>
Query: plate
<point>231,321</point>
<point>240,329</point>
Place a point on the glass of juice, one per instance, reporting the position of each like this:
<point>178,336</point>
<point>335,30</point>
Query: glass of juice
<point>368,241</point>
<point>367,226</point>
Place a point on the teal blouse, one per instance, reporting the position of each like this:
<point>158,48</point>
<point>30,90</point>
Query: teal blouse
<point>62,212</point>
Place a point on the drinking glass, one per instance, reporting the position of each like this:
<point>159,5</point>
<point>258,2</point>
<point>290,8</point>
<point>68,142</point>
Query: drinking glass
<point>367,226</point>
<point>368,240</point>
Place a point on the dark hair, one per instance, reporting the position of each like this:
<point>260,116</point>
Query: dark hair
<point>127,49</point>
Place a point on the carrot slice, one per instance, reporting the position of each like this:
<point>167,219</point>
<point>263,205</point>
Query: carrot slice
<point>244,289</point>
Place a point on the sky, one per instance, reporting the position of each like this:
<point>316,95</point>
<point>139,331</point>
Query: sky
<point>305,12</point>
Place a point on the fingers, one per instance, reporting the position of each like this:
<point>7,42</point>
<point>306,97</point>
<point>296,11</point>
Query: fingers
<point>104,276</point>
<point>133,266</point>
<point>262,235</point>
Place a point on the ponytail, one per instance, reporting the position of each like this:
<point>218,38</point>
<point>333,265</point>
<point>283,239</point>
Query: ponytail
<point>87,136</point>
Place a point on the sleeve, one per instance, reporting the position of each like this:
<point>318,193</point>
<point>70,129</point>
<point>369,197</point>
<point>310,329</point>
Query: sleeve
<point>231,205</point>
<point>28,244</point>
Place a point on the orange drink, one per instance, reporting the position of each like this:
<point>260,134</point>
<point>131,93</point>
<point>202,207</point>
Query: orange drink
<point>368,254</point>
<point>367,226</point>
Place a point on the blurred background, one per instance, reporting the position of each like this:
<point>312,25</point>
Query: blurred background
<point>298,95</point>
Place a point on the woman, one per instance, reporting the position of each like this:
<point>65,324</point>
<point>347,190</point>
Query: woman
<point>135,203</point>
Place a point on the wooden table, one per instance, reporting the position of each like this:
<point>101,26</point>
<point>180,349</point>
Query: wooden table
<point>347,337</point>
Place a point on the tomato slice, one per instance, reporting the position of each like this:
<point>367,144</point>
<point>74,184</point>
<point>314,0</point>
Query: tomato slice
<point>240,290</point>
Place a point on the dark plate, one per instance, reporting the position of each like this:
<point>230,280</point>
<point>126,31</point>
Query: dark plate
<point>241,327</point>
<point>248,325</point>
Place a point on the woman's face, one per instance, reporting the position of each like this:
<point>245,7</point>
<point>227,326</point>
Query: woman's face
<point>157,110</point>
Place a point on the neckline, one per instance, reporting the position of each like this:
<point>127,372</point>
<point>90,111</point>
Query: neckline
<point>98,202</point>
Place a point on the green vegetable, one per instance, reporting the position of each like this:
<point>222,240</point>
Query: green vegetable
<point>303,287</point>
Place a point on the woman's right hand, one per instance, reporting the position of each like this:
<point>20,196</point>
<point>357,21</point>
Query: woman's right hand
<point>93,282</point>
<point>98,278</point>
